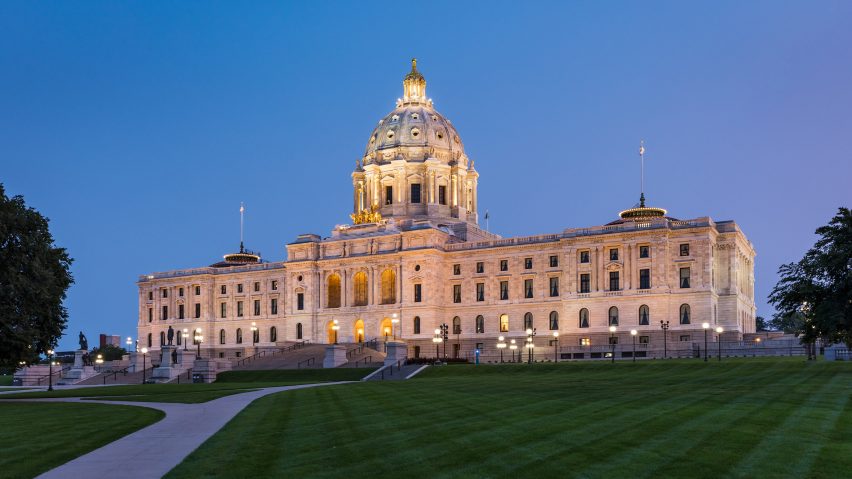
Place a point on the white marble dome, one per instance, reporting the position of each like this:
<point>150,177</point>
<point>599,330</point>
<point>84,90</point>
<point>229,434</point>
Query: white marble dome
<point>414,125</point>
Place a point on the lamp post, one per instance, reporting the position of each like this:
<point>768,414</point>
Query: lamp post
<point>394,322</point>
<point>705,326</point>
<point>556,346</point>
<point>530,344</point>
<point>50,367</point>
<point>513,346</point>
<point>633,333</point>
<point>612,342</point>
<point>665,326</point>
<point>335,326</point>
<point>198,339</point>
<point>437,340</point>
<point>719,331</point>
<point>99,360</point>
<point>254,336</point>
<point>445,335</point>
<point>144,355</point>
<point>185,335</point>
<point>501,345</point>
<point>128,342</point>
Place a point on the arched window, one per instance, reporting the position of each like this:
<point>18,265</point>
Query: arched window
<point>528,321</point>
<point>684,314</point>
<point>584,318</point>
<point>388,286</point>
<point>613,316</point>
<point>417,325</point>
<point>333,300</point>
<point>239,336</point>
<point>162,338</point>
<point>480,324</point>
<point>504,323</point>
<point>298,330</point>
<point>644,315</point>
<point>554,320</point>
<point>221,336</point>
<point>273,334</point>
<point>456,325</point>
<point>149,340</point>
<point>360,281</point>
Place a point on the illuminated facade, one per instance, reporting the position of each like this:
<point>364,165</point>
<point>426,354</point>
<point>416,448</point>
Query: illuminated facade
<point>415,253</point>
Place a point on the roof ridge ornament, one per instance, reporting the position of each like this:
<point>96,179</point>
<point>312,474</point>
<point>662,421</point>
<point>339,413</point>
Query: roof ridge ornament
<point>414,87</point>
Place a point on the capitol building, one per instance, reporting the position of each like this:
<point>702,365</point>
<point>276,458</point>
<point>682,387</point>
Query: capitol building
<point>414,257</point>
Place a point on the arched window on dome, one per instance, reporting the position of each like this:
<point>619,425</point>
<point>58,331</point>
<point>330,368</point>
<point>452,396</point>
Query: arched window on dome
<point>388,286</point>
<point>644,315</point>
<point>584,318</point>
<point>360,288</point>
<point>333,289</point>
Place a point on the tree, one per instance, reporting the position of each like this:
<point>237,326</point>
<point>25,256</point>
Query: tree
<point>109,352</point>
<point>813,298</point>
<point>34,276</point>
<point>761,324</point>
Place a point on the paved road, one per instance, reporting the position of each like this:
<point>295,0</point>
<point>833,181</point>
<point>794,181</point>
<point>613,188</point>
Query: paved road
<point>153,451</point>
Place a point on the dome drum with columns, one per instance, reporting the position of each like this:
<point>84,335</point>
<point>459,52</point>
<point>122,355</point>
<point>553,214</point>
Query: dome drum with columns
<point>414,166</point>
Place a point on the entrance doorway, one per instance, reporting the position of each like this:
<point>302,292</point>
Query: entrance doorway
<point>359,331</point>
<point>386,329</point>
<point>332,333</point>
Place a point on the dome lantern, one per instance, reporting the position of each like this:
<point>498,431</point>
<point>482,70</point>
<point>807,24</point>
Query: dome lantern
<point>414,86</point>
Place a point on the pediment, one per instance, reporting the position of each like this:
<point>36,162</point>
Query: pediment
<point>613,266</point>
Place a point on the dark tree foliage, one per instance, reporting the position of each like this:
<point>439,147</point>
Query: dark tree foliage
<point>813,298</point>
<point>109,352</point>
<point>761,324</point>
<point>34,275</point>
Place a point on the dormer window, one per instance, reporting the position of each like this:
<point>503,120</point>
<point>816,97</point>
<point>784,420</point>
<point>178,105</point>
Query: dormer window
<point>415,116</point>
<point>390,134</point>
<point>395,118</point>
<point>415,132</point>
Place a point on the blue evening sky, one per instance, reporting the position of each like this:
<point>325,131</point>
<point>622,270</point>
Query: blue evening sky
<point>138,127</point>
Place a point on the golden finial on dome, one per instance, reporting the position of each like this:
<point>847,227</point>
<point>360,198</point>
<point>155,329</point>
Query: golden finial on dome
<point>414,64</point>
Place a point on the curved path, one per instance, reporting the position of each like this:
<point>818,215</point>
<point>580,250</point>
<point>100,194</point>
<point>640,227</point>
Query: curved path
<point>153,451</point>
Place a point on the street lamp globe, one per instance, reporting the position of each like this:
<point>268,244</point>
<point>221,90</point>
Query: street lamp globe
<point>144,350</point>
<point>705,325</point>
<point>129,341</point>
<point>633,332</point>
<point>612,329</point>
<point>719,330</point>
<point>529,331</point>
<point>556,334</point>
<point>437,331</point>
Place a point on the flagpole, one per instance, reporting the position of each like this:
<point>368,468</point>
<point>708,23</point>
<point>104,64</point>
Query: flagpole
<point>642,173</point>
<point>242,212</point>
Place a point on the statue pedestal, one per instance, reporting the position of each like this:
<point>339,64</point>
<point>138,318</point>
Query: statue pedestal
<point>335,355</point>
<point>78,372</point>
<point>396,351</point>
<point>167,370</point>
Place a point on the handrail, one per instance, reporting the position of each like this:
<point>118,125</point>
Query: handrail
<point>273,353</point>
<point>367,359</point>
<point>59,371</point>
<point>115,373</point>
<point>306,362</point>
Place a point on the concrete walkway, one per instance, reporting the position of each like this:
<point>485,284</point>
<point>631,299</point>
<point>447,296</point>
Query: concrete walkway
<point>153,451</point>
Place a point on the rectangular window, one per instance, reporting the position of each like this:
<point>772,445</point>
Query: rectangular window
<point>585,342</point>
<point>198,290</point>
<point>223,310</point>
<point>257,307</point>
<point>442,195</point>
<point>300,301</point>
<point>240,288</point>
<point>584,256</point>
<point>256,286</point>
<point>644,251</point>
<point>554,261</point>
<point>585,283</point>
<point>416,352</point>
<point>684,249</point>
<point>480,267</point>
<point>274,285</point>
<point>180,292</point>
<point>273,306</point>
<point>613,254</point>
<point>165,293</point>
<point>504,265</point>
<point>223,289</point>
<point>418,293</point>
<point>180,311</point>
<point>480,291</point>
<point>554,287</point>
<point>644,279</point>
<point>457,293</point>
<point>456,269</point>
<point>613,340</point>
<point>684,277</point>
<point>527,263</point>
<point>504,290</point>
<point>239,309</point>
<point>388,195</point>
<point>150,314</point>
<point>684,338</point>
<point>528,288</point>
<point>644,339</point>
<point>150,295</point>
<point>415,192</point>
<point>197,310</point>
<point>165,312</point>
<point>613,281</point>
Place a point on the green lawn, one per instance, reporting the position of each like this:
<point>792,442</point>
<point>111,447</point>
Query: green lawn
<point>36,437</point>
<point>6,380</point>
<point>294,376</point>
<point>737,418</point>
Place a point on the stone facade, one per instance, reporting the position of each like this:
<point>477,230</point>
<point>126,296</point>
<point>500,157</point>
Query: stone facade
<point>427,263</point>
